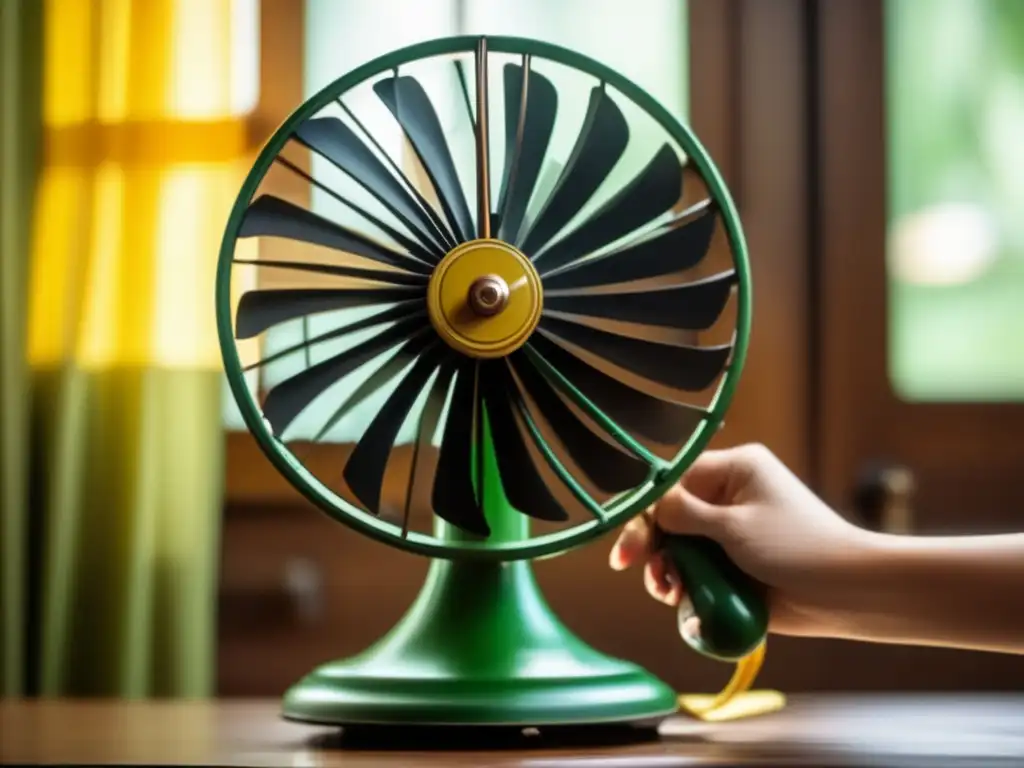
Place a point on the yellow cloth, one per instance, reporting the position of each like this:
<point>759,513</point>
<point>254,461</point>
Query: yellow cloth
<point>146,140</point>
<point>147,108</point>
<point>736,701</point>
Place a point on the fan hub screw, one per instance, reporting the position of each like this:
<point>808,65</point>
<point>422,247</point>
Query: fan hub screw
<point>488,295</point>
<point>484,298</point>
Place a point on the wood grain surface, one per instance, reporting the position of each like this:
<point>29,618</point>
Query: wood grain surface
<point>812,730</point>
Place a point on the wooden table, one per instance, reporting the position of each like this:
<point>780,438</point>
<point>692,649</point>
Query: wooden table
<point>822,731</point>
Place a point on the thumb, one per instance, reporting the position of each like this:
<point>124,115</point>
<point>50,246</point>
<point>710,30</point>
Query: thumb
<point>682,512</point>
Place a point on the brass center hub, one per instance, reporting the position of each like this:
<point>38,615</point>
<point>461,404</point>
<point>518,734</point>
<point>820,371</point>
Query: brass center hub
<point>488,295</point>
<point>485,298</point>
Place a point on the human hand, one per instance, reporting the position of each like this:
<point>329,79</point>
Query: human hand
<point>773,528</point>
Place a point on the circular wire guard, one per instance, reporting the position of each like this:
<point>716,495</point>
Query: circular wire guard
<point>638,349</point>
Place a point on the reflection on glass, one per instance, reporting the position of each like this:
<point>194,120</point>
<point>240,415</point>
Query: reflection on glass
<point>955,110</point>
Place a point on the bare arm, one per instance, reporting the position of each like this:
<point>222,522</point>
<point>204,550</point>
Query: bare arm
<point>964,592</point>
<point>827,577</point>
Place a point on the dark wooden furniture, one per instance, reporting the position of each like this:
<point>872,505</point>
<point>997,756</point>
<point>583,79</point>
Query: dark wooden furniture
<point>819,731</point>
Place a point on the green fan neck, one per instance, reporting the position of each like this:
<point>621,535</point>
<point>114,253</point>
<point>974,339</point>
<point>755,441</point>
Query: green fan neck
<point>508,525</point>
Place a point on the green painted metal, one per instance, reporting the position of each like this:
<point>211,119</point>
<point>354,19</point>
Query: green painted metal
<point>620,436</point>
<point>480,646</point>
<point>620,509</point>
<point>731,606</point>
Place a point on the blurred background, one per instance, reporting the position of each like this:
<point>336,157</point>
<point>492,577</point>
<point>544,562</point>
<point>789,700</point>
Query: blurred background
<point>146,546</point>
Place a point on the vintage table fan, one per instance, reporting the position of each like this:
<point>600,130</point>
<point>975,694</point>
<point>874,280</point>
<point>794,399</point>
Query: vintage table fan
<point>521,294</point>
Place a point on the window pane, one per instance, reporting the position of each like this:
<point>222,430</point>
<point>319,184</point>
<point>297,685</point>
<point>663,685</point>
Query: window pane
<point>213,80</point>
<point>955,93</point>
<point>643,39</point>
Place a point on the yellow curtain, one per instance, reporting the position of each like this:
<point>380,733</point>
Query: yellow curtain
<point>20,126</point>
<point>144,146</point>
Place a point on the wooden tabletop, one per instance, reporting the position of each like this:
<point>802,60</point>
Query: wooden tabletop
<point>813,730</point>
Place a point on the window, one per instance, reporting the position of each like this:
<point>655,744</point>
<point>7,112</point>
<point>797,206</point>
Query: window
<point>644,39</point>
<point>955,111</point>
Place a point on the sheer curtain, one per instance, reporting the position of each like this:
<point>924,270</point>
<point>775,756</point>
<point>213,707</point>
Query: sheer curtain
<point>144,145</point>
<point>21,64</point>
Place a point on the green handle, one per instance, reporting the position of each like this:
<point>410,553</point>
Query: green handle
<point>730,604</point>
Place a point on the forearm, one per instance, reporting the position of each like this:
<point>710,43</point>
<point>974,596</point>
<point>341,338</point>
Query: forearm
<point>966,592</point>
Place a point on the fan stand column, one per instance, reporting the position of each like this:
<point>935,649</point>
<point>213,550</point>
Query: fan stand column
<point>480,646</point>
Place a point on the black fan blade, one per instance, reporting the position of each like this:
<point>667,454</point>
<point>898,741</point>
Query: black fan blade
<point>376,381</point>
<point>531,104</point>
<point>678,248</point>
<point>365,468</point>
<point>688,368</point>
<point>483,150</point>
<point>397,312</point>
<point>289,398</point>
<point>270,216</point>
<point>601,142</point>
<point>411,106</point>
<point>259,310</point>
<point>689,307</point>
<point>331,138</point>
<point>609,468</point>
<point>643,414</point>
<point>454,498</point>
<point>438,224</point>
<point>550,172</point>
<point>460,73</point>
<point>414,248</point>
<point>341,270</point>
<point>653,192</point>
<point>524,487</point>
<point>430,419</point>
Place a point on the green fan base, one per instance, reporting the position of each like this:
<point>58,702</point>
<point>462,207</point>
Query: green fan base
<point>479,647</point>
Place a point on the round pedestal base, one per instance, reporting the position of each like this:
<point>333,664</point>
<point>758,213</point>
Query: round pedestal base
<point>347,693</point>
<point>479,647</point>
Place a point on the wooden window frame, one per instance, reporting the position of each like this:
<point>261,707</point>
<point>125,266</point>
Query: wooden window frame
<point>852,284</point>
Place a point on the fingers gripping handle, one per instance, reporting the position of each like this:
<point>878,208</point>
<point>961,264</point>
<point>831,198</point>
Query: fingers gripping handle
<point>729,604</point>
